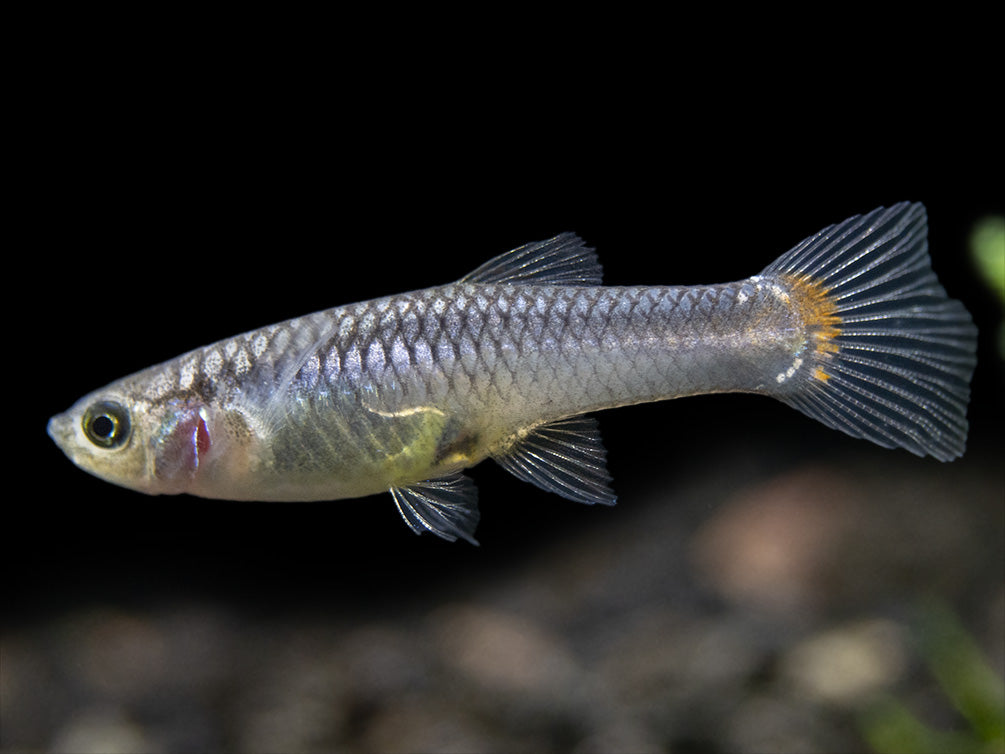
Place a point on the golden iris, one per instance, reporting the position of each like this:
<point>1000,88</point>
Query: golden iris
<point>106,424</point>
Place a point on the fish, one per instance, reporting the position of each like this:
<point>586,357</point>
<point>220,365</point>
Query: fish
<point>404,393</point>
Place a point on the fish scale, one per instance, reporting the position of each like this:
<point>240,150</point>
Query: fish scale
<point>643,348</point>
<point>404,392</point>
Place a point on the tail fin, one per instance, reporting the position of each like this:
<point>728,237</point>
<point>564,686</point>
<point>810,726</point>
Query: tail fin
<point>893,355</point>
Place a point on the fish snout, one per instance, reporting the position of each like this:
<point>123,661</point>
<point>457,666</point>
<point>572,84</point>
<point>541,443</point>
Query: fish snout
<point>60,429</point>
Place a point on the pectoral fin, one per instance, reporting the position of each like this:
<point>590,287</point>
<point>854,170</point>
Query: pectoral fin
<point>566,457</point>
<point>447,507</point>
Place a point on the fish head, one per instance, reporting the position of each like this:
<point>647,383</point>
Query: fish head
<point>124,438</point>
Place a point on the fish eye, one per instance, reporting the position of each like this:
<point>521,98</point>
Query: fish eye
<point>106,424</point>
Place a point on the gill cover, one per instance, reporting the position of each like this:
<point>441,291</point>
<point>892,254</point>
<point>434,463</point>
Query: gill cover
<point>180,446</point>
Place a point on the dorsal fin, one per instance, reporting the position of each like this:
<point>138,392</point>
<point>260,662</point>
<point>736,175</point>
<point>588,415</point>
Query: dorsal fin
<point>562,260</point>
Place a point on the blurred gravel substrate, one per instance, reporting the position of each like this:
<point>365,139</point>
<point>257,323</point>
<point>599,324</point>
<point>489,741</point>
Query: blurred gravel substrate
<point>745,612</point>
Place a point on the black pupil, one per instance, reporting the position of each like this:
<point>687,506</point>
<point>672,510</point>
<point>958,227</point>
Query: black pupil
<point>103,426</point>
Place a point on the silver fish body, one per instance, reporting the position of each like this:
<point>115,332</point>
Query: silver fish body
<point>404,392</point>
<point>429,382</point>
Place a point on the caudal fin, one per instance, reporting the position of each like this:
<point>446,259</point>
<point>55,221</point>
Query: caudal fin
<point>890,354</point>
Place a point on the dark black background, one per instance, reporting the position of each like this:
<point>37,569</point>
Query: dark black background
<point>178,195</point>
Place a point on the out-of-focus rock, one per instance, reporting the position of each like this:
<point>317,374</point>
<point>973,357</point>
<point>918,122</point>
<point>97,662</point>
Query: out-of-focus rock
<point>503,652</point>
<point>103,731</point>
<point>847,664</point>
<point>772,545</point>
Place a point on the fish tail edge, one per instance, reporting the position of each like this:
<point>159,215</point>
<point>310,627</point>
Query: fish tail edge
<point>887,356</point>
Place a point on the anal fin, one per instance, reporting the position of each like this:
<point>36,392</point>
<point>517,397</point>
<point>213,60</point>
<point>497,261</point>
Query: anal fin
<point>566,457</point>
<point>447,507</point>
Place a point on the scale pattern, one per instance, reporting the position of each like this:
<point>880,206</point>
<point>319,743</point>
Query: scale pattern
<point>554,350</point>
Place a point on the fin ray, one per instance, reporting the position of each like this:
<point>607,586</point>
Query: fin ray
<point>566,457</point>
<point>895,363</point>
<point>562,260</point>
<point>447,507</point>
